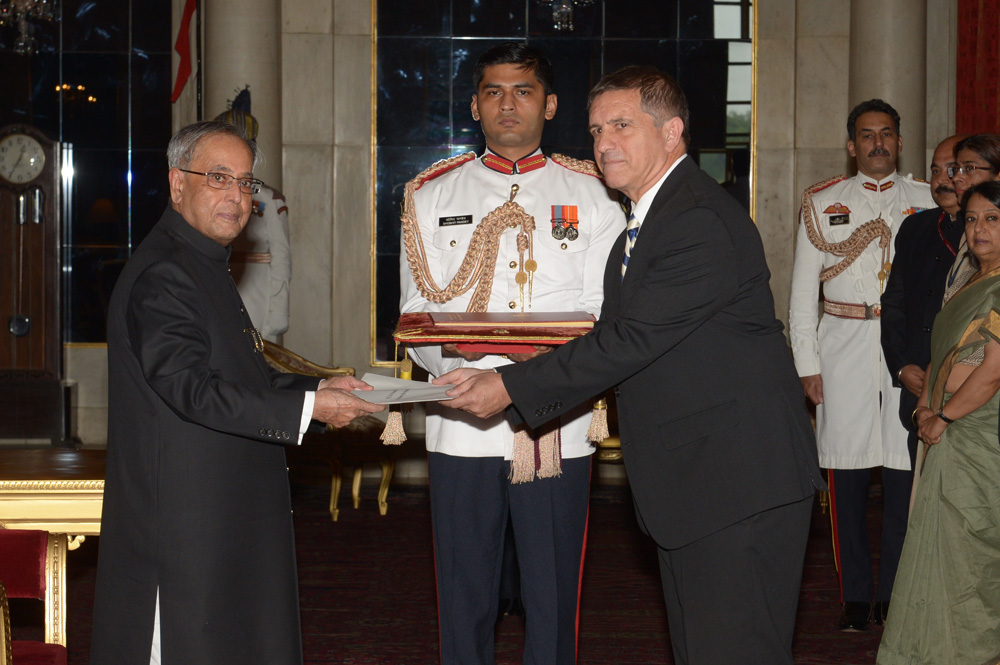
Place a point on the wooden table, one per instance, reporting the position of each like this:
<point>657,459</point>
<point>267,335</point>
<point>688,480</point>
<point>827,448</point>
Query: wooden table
<point>59,490</point>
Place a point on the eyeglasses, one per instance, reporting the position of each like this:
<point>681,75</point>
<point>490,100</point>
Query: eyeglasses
<point>224,181</point>
<point>968,169</point>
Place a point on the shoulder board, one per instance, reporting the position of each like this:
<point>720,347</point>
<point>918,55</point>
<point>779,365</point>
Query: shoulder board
<point>584,166</point>
<point>439,168</point>
<point>910,176</point>
<point>278,196</point>
<point>820,186</point>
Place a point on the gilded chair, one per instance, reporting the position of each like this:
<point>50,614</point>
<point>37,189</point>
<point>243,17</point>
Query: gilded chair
<point>355,444</point>
<point>33,565</point>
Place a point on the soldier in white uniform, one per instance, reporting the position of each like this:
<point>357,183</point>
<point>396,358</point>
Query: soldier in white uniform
<point>553,259</point>
<point>261,263</point>
<point>845,243</point>
<point>261,259</point>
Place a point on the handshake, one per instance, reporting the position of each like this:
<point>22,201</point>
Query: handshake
<point>336,406</point>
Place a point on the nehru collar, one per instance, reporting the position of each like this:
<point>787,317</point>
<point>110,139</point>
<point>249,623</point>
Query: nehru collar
<point>177,225</point>
<point>535,160</point>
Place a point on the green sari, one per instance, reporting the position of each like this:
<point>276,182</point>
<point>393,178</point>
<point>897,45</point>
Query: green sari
<point>945,606</point>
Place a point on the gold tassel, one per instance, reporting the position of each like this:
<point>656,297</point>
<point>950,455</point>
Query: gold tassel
<point>599,422</point>
<point>393,434</point>
<point>549,454</point>
<point>522,464</point>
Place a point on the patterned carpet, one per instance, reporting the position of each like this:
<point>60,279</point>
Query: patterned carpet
<point>367,588</point>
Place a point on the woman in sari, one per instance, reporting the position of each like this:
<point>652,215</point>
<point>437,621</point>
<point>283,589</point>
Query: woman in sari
<point>946,601</point>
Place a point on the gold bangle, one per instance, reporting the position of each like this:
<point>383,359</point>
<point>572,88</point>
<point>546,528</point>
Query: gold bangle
<point>913,416</point>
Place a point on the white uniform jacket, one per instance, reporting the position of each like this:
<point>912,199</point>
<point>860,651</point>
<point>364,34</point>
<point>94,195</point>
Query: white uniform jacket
<point>261,264</point>
<point>857,426</point>
<point>569,277</point>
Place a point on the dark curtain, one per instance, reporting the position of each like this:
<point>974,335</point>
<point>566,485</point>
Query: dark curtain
<point>978,89</point>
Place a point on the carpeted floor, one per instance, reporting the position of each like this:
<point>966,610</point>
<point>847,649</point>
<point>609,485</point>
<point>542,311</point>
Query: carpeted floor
<point>367,588</point>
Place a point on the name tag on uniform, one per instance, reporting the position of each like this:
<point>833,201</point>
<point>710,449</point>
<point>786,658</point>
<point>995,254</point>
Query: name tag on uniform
<point>454,220</point>
<point>839,220</point>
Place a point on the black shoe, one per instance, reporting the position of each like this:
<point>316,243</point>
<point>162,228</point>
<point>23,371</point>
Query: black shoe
<point>880,611</point>
<point>855,617</point>
<point>510,607</point>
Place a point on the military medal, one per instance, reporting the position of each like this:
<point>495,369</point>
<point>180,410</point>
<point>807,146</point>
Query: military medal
<point>565,222</point>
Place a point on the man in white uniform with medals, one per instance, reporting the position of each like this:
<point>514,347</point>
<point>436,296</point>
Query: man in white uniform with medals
<point>550,252</point>
<point>846,229</point>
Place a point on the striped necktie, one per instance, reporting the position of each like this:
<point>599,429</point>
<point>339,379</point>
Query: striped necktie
<point>632,230</point>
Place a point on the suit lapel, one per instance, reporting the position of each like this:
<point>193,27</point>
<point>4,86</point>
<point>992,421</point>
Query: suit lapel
<point>660,212</point>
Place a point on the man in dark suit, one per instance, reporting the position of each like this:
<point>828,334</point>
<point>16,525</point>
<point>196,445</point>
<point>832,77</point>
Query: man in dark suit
<point>926,245</point>
<point>717,443</point>
<point>197,559</point>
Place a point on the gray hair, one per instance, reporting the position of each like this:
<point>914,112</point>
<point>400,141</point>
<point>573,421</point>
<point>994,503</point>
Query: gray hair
<point>182,145</point>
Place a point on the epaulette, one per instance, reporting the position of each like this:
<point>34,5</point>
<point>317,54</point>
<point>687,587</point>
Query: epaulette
<point>584,166</point>
<point>820,186</point>
<point>439,168</point>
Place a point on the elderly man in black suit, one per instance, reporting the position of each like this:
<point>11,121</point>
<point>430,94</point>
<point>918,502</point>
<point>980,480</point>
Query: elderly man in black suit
<point>197,555</point>
<point>718,446</point>
<point>926,245</point>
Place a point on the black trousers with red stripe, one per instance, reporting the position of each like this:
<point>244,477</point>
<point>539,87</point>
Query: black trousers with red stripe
<point>849,500</point>
<point>471,498</point>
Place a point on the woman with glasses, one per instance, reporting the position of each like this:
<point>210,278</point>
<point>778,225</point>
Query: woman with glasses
<point>977,159</point>
<point>946,600</point>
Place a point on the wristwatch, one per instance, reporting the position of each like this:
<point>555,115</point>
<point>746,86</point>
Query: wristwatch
<point>940,414</point>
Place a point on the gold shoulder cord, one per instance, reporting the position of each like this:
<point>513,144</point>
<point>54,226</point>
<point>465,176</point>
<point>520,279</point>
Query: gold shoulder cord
<point>480,260</point>
<point>851,248</point>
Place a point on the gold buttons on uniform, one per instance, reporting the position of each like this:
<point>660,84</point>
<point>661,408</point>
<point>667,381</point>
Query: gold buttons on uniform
<point>563,246</point>
<point>453,243</point>
<point>512,304</point>
<point>513,264</point>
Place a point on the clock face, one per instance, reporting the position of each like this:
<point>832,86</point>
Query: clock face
<point>21,158</point>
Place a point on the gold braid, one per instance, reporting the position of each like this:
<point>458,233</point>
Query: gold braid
<point>851,248</point>
<point>479,264</point>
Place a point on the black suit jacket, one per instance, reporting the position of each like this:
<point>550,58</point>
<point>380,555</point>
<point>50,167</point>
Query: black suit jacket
<point>912,297</point>
<point>712,418</point>
<point>196,500</point>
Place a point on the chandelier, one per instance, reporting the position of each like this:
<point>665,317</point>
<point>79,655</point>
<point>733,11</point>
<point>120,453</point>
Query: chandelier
<point>562,11</point>
<point>18,12</point>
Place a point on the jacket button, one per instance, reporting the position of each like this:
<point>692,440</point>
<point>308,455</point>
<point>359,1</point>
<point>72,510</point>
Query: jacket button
<point>513,264</point>
<point>512,304</point>
<point>563,246</point>
<point>925,329</point>
<point>270,432</point>
<point>263,432</point>
<point>453,243</point>
<point>539,412</point>
<point>285,435</point>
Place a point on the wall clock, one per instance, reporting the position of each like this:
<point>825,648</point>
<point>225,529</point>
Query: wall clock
<point>22,158</point>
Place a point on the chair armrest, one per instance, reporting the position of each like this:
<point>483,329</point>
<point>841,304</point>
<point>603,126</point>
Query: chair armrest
<point>290,362</point>
<point>6,657</point>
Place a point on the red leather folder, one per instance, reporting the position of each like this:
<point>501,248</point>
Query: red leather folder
<point>493,332</point>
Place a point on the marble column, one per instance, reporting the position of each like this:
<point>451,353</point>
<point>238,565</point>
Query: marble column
<point>243,47</point>
<point>888,60</point>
